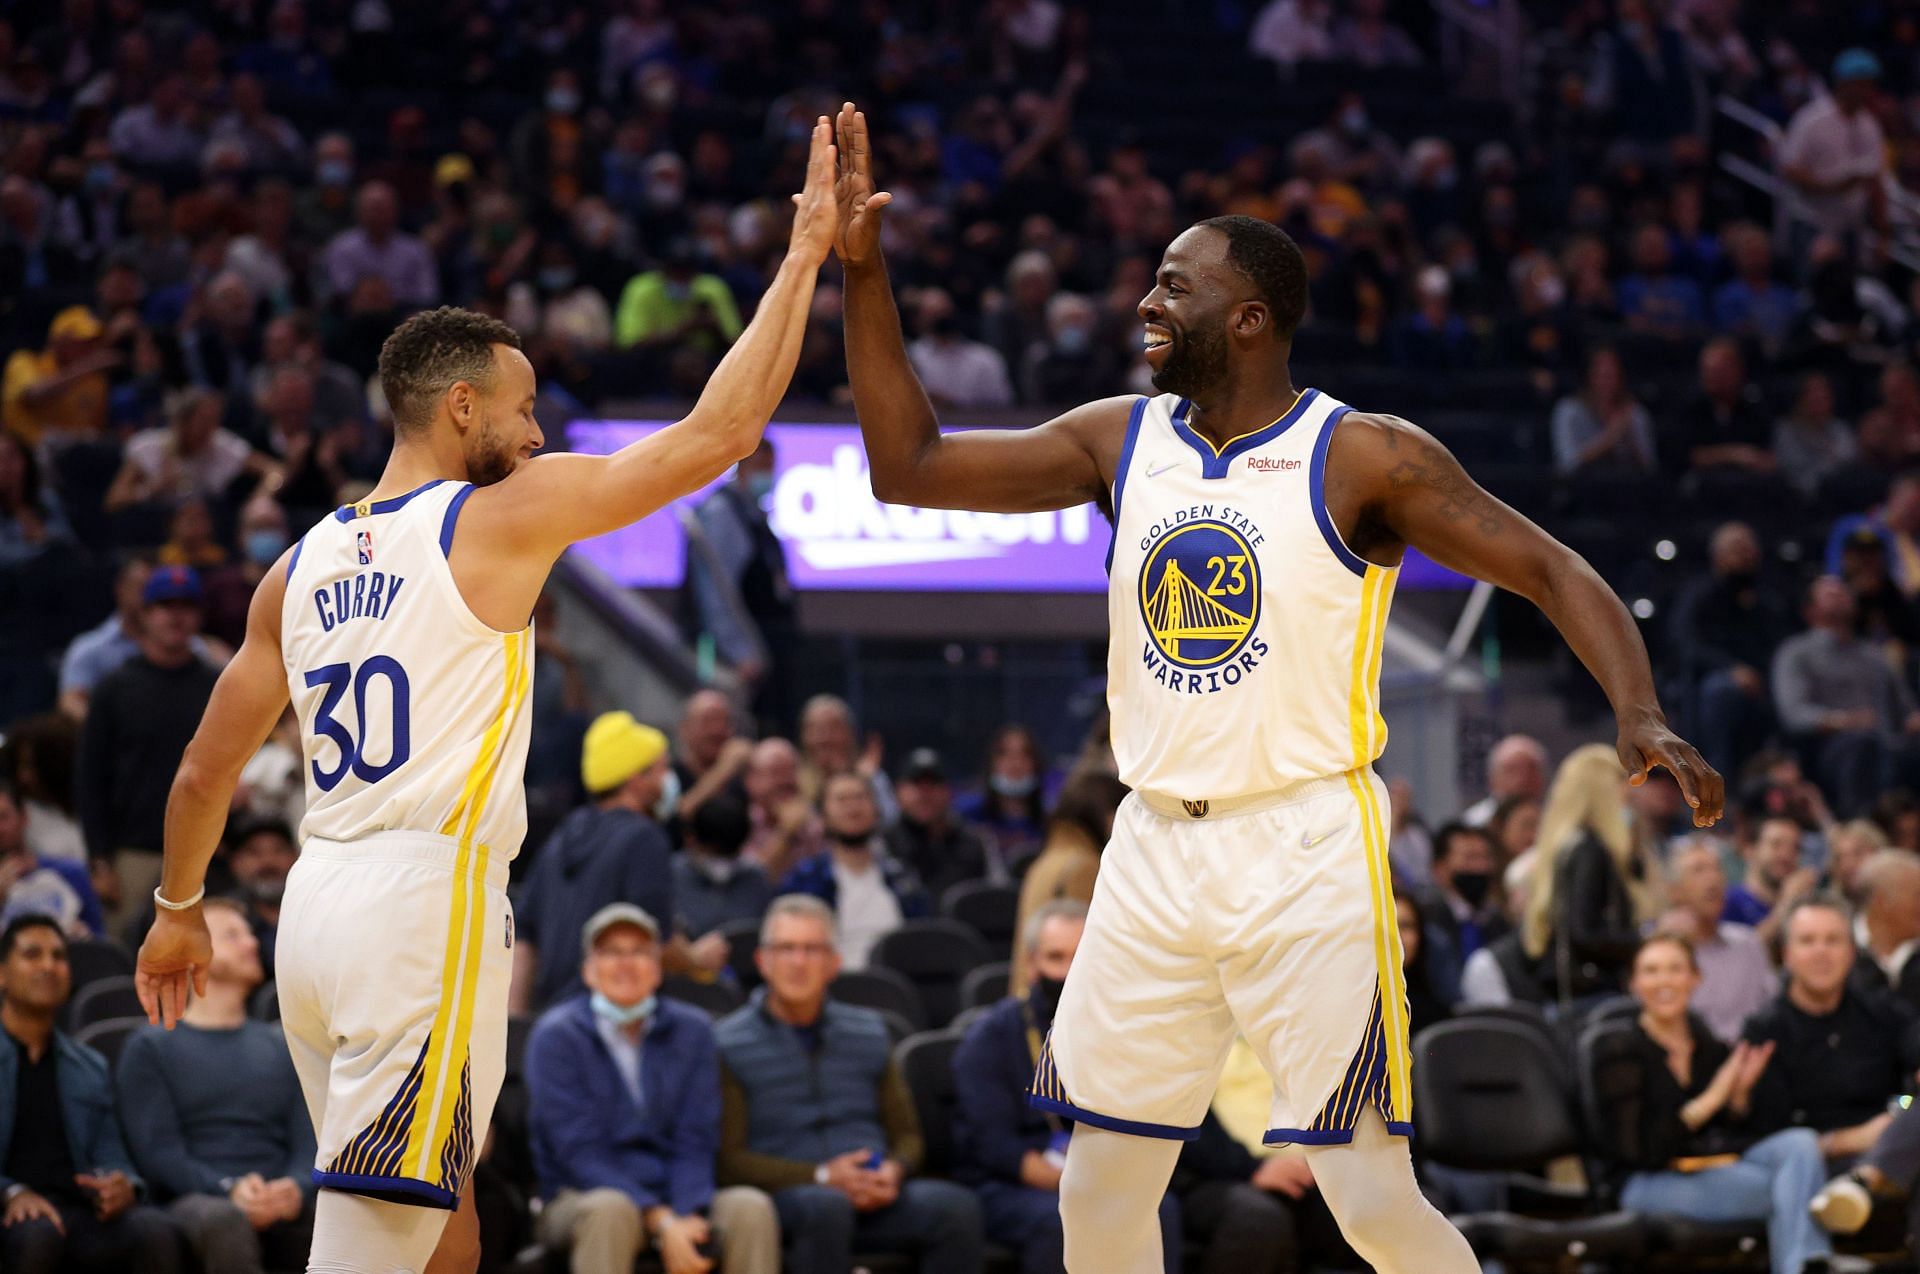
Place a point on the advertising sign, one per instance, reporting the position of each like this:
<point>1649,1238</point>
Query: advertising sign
<point>839,537</point>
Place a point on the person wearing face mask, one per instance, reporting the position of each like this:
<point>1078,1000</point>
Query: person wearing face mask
<point>712,884</point>
<point>1009,1152</point>
<point>869,892</point>
<point>624,1119</point>
<point>611,849</point>
<point>1012,804</point>
<point>1070,365</point>
<point>1463,911</point>
<point>677,304</point>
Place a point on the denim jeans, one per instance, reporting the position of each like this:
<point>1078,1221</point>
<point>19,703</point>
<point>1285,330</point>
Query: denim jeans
<point>1774,1181</point>
<point>937,1221</point>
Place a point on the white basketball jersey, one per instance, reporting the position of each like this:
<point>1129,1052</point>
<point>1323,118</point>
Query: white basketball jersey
<point>1246,636</point>
<point>413,714</point>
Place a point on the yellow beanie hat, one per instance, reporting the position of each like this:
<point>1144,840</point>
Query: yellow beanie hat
<point>617,748</point>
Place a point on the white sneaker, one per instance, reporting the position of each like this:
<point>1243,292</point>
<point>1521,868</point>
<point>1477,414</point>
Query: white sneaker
<point>1842,1206</point>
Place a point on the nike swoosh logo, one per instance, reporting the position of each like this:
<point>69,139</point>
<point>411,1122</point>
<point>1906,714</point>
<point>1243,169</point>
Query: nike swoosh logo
<point>1308,840</point>
<point>1171,464</point>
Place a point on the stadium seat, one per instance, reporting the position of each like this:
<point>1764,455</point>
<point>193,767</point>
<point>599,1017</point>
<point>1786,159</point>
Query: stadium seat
<point>109,1035</point>
<point>1528,1017</point>
<point>1607,1065</point>
<point>104,998</point>
<point>986,985</point>
<point>880,988</point>
<point>926,1063</point>
<point>934,955</point>
<point>718,997</point>
<point>91,959</point>
<point>743,939</point>
<point>989,909</point>
<point>1493,1097</point>
<point>519,1031</point>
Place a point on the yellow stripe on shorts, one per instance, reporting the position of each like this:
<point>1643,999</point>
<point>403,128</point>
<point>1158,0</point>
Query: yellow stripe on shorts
<point>452,1023</point>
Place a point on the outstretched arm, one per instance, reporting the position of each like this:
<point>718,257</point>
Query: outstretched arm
<point>1405,489</point>
<point>246,704</point>
<point>553,501</point>
<point>1053,466</point>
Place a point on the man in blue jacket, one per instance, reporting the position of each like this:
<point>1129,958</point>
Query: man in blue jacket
<point>625,1117</point>
<point>70,1188</point>
<point>1009,1152</point>
<point>814,1111</point>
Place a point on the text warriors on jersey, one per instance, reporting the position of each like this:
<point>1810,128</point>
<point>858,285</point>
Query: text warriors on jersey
<point>1200,595</point>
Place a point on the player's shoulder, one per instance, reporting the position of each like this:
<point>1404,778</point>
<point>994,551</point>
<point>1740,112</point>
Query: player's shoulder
<point>1101,417</point>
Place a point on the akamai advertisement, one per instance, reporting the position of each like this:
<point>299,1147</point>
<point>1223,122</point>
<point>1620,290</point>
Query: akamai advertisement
<point>839,537</point>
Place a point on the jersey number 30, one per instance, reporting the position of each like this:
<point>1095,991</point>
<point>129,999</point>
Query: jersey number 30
<point>353,753</point>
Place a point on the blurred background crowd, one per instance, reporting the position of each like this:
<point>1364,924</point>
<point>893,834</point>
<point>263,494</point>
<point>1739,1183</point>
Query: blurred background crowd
<point>1650,267</point>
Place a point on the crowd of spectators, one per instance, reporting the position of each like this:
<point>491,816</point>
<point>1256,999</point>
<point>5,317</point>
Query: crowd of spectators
<point>212,214</point>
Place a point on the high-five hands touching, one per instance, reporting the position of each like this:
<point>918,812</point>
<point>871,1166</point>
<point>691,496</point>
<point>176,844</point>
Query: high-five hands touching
<point>860,205</point>
<point>816,216</point>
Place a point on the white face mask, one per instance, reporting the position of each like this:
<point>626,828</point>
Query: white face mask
<point>663,809</point>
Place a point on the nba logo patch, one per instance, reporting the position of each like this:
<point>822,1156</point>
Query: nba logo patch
<point>363,540</point>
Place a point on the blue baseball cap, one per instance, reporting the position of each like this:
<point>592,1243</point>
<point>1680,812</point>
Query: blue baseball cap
<point>171,584</point>
<point>1856,64</point>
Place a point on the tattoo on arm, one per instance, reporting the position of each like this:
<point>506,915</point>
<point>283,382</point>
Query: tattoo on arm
<point>1431,467</point>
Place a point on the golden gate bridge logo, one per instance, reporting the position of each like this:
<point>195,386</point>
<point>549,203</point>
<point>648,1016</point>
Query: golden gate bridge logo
<point>1200,594</point>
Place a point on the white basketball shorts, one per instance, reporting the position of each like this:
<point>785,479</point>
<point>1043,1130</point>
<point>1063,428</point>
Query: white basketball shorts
<point>393,959</point>
<point>1275,920</point>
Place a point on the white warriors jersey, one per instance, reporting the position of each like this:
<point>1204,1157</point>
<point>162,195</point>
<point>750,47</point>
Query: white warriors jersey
<point>1246,636</point>
<point>413,714</point>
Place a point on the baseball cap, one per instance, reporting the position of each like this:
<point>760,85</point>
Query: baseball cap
<point>75,323</point>
<point>1864,537</point>
<point>1856,64</point>
<point>617,748</point>
<point>452,169</point>
<point>617,913</point>
<point>171,584</point>
<point>923,763</point>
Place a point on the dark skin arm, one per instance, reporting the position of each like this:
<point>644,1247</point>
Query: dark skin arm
<point>1066,461</point>
<point>1391,486</point>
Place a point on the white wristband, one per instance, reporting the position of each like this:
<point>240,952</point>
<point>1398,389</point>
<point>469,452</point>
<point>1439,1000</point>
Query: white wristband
<point>189,904</point>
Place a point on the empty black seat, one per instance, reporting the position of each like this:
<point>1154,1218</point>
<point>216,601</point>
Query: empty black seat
<point>109,1036</point>
<point>103,998</point>
<point>989,909</point>
<point>985,985</point>
<point>91,959</point>
<point>743,940</point>
<point>926,1063</point>
<point>934,955</point>
<point>881,988</point>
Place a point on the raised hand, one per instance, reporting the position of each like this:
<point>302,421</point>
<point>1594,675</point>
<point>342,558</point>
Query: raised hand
<point>860,205</point>
<point>1649,743</point>
<point>815,216</point>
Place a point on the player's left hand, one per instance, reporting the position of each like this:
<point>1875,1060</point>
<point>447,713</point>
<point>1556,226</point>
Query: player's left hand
<point>1649,743</point>
<point>175,955</point>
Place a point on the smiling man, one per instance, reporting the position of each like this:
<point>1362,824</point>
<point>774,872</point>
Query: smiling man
<point>1258,532</point>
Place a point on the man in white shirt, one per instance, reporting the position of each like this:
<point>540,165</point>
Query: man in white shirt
<point>190,458</point>
<point>1834,152</point>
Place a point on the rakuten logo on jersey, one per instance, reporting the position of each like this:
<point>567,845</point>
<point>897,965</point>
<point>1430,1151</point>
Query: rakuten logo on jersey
<point>826,513</point>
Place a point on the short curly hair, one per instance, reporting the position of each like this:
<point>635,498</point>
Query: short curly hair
<point>1267,257</point>
<point>430,352</point>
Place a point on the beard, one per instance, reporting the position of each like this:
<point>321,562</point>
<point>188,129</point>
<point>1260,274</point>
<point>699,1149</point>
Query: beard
<point>490,458</point>
<point>1196,362</point>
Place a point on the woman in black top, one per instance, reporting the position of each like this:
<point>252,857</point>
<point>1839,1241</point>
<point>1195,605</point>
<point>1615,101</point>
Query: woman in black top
<point>1684,1153</point>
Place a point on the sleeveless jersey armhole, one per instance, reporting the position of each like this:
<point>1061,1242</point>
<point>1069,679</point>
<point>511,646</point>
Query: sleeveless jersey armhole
<point>1317,493</point>
<point>1120,473</point>
<point>452,519</point>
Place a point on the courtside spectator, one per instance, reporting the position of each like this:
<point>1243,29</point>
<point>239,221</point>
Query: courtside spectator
<point>814,1111</point>
<point>610,849</point>
<point>1833,152</point>
<point>712,884</point>
<point>33,885</point>
<point>1896,521</point>
<point>59,394</point>
<point>1849,846</point>
<point>215,1118</point>
<point>1726,626</point>
<point>138,723</point>
<point>711,756</point>
<point>1077,834</point>
<point>625,1119</point>
<point>929,836</point>
<point>376,248</point>
<point>260,853</point>
<point>191,456</point>
<point>870,893</point>
<point>1463,910</point>
<point>1011,805</point>
<point>1775,878</point>
<point>1604,428</point>
<point>786,827</point>
<point>72,1193</point>
<point>1886,928</point>
<point>1839,1055</point>
<point>1736,977</point>
<point>1010,1153</point>
<point>1516,766</point>
<point>1726,425</point>
<point>830,742</point>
